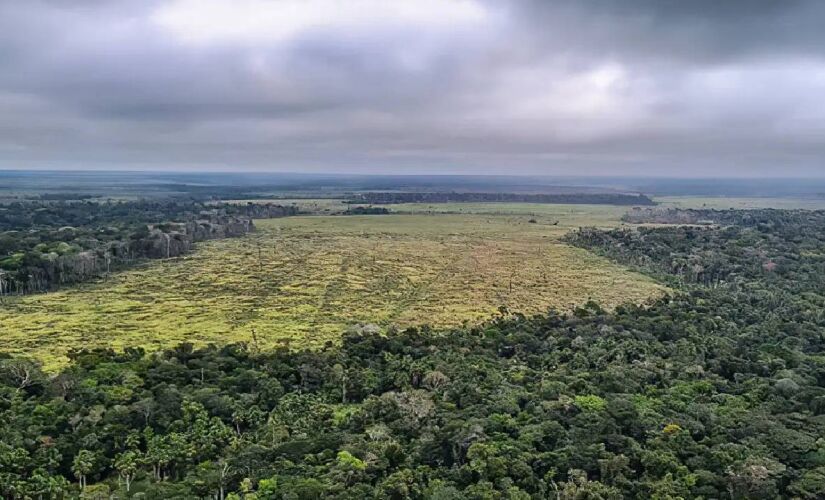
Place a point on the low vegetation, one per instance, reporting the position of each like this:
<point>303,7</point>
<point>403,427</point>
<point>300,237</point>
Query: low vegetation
<point>384,198</point>
<point>302,281</point>
<point>811,202</point>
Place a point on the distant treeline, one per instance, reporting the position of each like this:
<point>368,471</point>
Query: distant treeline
<point>707,216</point>
<point>386,198</point>
<point>366,211</point>
<point>44,245</point>
<point>61,197</point>
<point>32,215</point>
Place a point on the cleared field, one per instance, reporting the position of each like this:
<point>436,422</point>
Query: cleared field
<point>598,214</point>
<point>301,281</point>
<point>723,203</point>
<point>311,205</point>
<point>567,216</point>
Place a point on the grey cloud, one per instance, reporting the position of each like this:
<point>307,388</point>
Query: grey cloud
<point>607,86</point>
<point>700,31</point>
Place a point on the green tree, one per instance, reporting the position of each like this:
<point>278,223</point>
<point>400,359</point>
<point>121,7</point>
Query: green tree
<point>83,464</point>
<point>126,465</point>
<point>348,468</point>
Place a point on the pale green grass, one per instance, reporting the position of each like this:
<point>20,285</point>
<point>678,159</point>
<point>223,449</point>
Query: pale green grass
<point>566,215</point>
<point>301,281</point>
<point>722,203</point>
<point>572,215</point>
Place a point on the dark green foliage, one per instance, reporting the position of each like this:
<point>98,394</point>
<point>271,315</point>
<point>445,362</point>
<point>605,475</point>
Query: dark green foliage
<point>769,246</point>
<point>358,210</point>
<point>47,244</point>
<point>714,392</point>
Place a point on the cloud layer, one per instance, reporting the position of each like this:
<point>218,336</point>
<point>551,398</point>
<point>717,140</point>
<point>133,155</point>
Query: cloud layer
<point>415,86</point>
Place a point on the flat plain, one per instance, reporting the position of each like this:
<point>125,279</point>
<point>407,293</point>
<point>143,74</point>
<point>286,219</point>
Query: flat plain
<point>741,203</point>
<point>302,281</point>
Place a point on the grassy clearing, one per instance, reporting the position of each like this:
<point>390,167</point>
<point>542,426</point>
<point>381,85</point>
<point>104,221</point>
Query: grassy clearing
<point>572,215</point>
<point>723,203</point>
<point>311,205</point>
<point>301,281</point>
<point>566,215</point>
<point>577,214</point>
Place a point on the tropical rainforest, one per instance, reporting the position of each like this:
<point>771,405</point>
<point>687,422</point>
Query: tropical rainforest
<point>715,390</point>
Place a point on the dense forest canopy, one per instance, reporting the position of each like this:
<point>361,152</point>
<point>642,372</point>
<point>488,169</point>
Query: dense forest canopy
<point>713,392</point>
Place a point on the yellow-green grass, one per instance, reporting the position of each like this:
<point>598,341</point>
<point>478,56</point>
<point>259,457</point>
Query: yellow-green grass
<point>723,203</point>
<point>310,205</point>
<point>301,281</point>
<point>567,216</point>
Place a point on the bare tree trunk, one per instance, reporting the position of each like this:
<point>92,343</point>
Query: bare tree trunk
<point>224,470</point>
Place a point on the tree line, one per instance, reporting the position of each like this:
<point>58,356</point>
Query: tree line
<point>393,197</point>
<point>44,245</point>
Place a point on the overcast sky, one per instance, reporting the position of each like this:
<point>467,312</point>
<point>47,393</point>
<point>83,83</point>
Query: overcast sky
<point>673,87</point>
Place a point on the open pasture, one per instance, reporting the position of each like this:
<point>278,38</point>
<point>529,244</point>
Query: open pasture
<point>301,281</point>
<point>566,216</point>
<point>742,203</point>
<point>316,206</point>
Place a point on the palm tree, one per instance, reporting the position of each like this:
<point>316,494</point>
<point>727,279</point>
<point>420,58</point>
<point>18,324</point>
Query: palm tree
<point>82,465</point>
<point>126,464</point>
